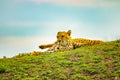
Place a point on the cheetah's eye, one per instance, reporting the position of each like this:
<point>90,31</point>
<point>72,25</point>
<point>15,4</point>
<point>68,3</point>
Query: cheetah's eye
<point>62,36</point>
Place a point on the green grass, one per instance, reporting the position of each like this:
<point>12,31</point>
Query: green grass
<point>98,62</point>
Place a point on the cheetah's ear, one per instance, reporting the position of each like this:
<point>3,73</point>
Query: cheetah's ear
<point>69,32</point>
<point>58,32</point>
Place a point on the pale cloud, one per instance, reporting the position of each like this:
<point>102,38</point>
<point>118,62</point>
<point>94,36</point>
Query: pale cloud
<point>25,41</point>
<point>82,3</point>
<point>113,30</point>
<point>10,46</point>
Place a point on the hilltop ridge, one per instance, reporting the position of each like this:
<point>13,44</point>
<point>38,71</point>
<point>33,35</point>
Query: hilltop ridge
<point>97,62</point>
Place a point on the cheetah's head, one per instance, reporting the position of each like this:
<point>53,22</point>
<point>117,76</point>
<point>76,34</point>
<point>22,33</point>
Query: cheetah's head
<point>63,37</point>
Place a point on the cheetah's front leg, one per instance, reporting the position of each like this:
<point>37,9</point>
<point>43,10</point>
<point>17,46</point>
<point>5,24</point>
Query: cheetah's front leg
<point>43,46</point>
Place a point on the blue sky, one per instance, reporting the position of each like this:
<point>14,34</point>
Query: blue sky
<point>24,24</point>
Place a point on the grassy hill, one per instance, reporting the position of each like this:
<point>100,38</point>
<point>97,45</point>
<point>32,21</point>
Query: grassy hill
<point>98,62</point>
